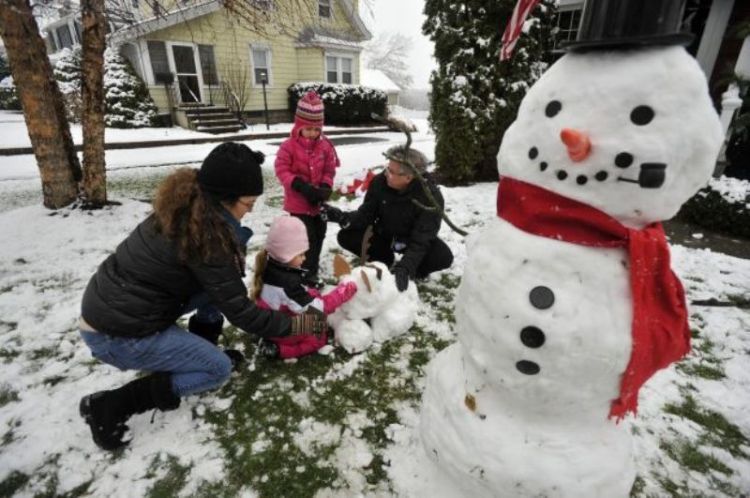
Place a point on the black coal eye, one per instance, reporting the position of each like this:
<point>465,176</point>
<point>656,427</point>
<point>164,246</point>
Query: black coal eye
<point>642,115</point>
<point>553,108</point>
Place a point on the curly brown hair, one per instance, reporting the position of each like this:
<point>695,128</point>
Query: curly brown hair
<point>192,218</point>
<point>261,261</point>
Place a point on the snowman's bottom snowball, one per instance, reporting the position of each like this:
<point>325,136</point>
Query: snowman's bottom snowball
<point>505,456</point>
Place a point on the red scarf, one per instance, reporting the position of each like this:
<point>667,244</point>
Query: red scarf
<point>660,328</point>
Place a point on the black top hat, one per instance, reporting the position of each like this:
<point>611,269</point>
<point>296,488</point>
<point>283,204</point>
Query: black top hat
<point>615,24</point>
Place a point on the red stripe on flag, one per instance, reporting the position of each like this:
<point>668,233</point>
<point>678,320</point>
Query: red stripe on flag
<point>515,25</point>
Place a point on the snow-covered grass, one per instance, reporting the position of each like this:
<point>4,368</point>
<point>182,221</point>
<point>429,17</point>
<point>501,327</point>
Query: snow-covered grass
<point>335,425</point>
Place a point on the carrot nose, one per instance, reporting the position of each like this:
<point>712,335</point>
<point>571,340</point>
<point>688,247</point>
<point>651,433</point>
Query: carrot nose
<point>577,142</point>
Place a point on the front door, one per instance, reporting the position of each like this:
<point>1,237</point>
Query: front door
<point>186,71</point>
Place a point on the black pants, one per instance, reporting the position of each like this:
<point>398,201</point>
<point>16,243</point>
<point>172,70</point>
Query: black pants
<point>316,233</point>
<point>437,257</point>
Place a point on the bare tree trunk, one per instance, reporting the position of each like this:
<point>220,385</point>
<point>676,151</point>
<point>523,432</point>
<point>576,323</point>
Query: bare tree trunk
<point>92,68</point>
<point>43,106</point>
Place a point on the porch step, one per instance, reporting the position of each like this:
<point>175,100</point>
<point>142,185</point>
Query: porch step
<point>219,129</point>
<point>211,119</point>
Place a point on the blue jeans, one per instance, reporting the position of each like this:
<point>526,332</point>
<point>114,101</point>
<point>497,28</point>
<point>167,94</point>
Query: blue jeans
<point>196,365</point>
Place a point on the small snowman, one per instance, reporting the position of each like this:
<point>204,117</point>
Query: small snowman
<point>377,312</point>
<point>567,303</point>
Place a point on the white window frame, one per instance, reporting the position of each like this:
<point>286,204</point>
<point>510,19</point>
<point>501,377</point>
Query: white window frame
<point>339,69</point>
<point>173,67</point>
<point>568,7</point>
<point>330,9</point>
<point>269,64</point>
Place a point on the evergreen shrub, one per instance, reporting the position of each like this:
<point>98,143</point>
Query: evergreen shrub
<point>723,206</point>
<point>8,95</point>
<point>474,95</point>
<point>344,104</point>
<point>128,103</point>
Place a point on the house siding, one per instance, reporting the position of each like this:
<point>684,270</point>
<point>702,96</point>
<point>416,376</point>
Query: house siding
<point>232,43</point>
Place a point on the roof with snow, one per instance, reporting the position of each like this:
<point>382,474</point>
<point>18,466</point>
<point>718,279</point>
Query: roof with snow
<point>375,78</point>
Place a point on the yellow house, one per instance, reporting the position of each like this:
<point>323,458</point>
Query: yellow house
<point>206,61</point>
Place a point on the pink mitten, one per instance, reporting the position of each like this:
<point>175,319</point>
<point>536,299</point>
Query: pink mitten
<point>338,296</point>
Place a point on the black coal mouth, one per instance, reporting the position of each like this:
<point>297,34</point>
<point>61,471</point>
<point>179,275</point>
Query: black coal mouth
<point>652,175</point>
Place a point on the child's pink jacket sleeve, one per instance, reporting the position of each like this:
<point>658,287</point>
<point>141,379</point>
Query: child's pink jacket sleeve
<point>332,162</point>
<point>283,165</point>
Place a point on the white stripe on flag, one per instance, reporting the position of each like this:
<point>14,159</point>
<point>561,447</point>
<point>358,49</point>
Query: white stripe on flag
<point>513,30</point>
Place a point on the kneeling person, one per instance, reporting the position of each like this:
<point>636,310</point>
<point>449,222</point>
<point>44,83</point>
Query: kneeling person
<point>393,207</point>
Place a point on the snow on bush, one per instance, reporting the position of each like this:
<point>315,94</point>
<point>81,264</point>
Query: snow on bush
<point>67,72</point>
<point>128,103</point>
<point>344,104</point>
<point>8,96</point>
<point>732,190</point>
<point>722,205</point>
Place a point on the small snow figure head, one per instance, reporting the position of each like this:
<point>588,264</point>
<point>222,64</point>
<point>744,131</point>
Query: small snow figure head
<point>632,133</point>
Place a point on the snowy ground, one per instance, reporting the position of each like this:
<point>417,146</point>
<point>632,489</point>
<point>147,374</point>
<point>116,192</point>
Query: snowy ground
<point>13,132</point>
<point>325,425</point>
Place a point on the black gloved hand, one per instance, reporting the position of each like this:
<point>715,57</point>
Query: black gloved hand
<point>324,192</point>
<point>335,215</point>
<point>310,193</point>
<point>402,277</point>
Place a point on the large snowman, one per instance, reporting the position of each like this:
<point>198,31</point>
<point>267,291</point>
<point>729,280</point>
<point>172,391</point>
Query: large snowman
<point>567,304</point>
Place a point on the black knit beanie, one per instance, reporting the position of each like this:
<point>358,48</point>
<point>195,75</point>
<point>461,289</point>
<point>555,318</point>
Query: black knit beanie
<point>232,169</point>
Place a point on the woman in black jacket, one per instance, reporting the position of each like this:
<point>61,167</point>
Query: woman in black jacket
<point>188,254</point>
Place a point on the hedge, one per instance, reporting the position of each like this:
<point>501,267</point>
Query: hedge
<point>723,206</point>
<point>344,104</point>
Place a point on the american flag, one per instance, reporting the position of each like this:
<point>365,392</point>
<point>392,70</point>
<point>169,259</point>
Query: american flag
<point>513,29</point>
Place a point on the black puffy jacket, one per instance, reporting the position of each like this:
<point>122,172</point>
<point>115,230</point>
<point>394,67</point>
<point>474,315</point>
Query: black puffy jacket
<point>142,289</point>
<point>395,216</point>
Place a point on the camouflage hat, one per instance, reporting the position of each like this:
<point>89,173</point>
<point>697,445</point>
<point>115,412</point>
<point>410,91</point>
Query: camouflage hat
<point>409,158</point>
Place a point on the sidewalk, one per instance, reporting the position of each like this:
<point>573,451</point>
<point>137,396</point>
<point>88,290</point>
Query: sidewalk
<point>142,144</point>
<point>697,237</point>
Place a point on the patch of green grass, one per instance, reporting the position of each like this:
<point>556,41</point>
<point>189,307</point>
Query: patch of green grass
<point>705,347</point>
<point>701,370</point>
<point>7,395</point>
<point>718,431</point>
<point>274,201</point>
<point>13,483</point>
<point>739,300</point>
<point>440,296</point>
<point>172,482</point>
<point>638,486</point>
<point>270,403</point>
<point>688,455</point>
<point>8,355</point>
<point>140,187</point>
<point>43,353</point>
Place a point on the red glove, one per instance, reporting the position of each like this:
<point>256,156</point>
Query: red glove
<point>338,296</point>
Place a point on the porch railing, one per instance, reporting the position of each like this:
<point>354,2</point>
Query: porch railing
<point>232,101</point>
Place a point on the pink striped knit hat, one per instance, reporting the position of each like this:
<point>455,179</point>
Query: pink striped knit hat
<point>309,111</point>
<point>286,238</point>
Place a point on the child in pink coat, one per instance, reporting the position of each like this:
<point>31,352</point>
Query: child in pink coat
<point>305,165</point>
<point>278,285</point>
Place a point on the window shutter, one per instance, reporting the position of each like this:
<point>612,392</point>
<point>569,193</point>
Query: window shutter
<point>63,34</point>
<point>208,64</point>
<point>157,52</point>
<point>324,8</point>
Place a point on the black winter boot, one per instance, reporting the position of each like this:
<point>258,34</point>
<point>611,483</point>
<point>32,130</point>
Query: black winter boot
<point>106,412</point>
